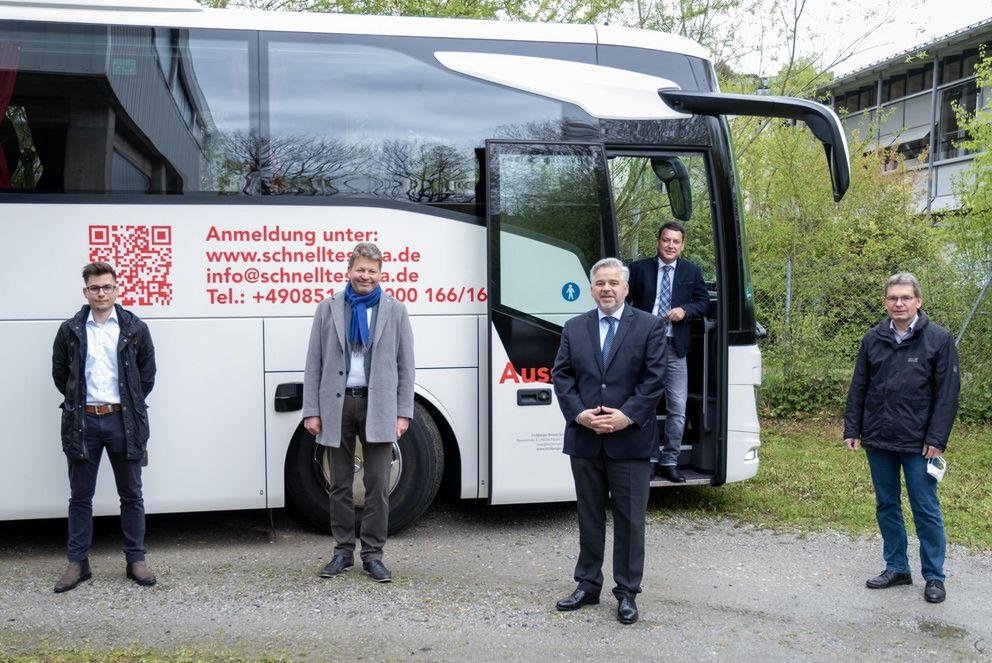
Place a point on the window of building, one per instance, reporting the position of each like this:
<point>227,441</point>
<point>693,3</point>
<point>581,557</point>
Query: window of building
<point>866,98</point>
<point>897,86</point>
<point>968,61</point>
<point>950,69</point>
<point>963,96</point>
<point>915,81</point>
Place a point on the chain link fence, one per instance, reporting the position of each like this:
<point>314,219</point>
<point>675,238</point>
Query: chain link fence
<point>816,310</point>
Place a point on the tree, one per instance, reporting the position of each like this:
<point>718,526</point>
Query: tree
<point>969,232</point>
<point>971,228</point>
<point>563,11</point>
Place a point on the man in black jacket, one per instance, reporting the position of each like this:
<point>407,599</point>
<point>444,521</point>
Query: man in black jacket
<point>900,408</point>
<point>103,363</point>
<point>672,288</point>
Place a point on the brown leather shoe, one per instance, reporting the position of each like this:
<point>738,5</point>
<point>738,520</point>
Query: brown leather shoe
<point>141,574</point>
<point>75,573</point>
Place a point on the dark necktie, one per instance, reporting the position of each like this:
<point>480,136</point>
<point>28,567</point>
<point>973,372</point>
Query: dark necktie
<point>665,299</point>
<point>608,341</point>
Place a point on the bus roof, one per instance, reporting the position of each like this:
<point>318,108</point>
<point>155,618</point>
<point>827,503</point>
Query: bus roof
<point>189,14</point>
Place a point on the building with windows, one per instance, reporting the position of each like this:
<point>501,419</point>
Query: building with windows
<point>906,102</point>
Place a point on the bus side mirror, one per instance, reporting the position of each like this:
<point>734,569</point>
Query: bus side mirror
<point>673,174</point>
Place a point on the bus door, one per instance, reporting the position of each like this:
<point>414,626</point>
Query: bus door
<point>550,220</point>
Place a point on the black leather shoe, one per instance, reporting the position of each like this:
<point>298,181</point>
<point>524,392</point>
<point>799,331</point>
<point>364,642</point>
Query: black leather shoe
<point>75,573</point>
<point>887,579</point>
<point>377,570</point>
<point>626,610</point>
<point>338,564</point>
<point>670,473</point>
<point>576,600</point>
<point>934,592</point>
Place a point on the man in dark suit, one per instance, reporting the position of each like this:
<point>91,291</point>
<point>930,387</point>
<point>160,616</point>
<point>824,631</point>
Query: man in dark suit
<point>671,288</point>
<point>608,376</point>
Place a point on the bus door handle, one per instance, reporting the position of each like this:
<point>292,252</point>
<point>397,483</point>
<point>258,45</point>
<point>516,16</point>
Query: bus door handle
<point>533,397</point>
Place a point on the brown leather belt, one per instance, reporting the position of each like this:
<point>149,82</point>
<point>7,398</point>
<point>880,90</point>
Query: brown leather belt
<point>103,409</point>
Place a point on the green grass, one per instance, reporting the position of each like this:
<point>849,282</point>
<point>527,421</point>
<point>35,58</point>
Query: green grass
<point>808,481</point>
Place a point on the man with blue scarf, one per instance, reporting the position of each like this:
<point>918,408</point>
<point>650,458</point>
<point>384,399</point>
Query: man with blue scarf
<point>358,382</point>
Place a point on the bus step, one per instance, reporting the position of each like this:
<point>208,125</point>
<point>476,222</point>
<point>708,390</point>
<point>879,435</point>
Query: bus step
<point>692,478</point>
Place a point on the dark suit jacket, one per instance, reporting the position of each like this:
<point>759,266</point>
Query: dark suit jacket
<point>688,291</point>
<point>632,380</point>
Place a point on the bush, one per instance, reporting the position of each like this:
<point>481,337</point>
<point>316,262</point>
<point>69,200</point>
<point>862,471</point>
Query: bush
<point>803,391</point>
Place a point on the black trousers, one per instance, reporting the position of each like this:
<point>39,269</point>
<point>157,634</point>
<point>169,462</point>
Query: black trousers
<point>105,431</point>
<point>626,483</point>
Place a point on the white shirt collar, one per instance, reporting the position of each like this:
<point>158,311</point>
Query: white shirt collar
<point>112,316</point>
<point>618,314</point>
<point>662,263</point>
<point>909,329</point>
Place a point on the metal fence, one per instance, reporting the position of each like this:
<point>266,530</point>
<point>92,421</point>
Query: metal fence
<point>816,311</point>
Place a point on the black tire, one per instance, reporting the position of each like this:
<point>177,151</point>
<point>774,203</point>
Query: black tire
<point>418,464</point>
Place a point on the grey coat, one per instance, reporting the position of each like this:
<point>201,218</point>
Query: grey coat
<point>390,373</point>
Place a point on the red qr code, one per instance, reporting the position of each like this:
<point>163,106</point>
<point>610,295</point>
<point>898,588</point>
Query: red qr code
<point>142,257</point>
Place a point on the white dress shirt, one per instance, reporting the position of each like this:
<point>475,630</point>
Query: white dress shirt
<point>356,370</point>
<point>101,360</point>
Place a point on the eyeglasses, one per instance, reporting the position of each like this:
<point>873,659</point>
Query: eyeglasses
<point>905,299</point>
<point>97,289</point>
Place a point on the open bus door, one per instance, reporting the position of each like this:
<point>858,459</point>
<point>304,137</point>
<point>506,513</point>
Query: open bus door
<point>820,119</point>
<point>550,220</point>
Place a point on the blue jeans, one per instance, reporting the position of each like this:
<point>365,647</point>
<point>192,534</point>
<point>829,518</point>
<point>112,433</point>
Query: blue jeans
<point>922,490</point>
<point>105,431</point>
<point>676,394</point>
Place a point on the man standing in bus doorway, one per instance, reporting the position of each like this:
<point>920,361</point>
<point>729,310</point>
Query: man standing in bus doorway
<point>609,375</point>
<point>900,408</point>
<point>103,363</point>
<point>672,288</point>
<point>358,381</point>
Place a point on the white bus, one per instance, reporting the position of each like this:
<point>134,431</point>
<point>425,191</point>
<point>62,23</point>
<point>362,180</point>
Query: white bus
<point>226,162</point>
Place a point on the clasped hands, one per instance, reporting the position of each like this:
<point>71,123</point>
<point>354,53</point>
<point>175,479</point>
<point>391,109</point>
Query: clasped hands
<point>603,419</point>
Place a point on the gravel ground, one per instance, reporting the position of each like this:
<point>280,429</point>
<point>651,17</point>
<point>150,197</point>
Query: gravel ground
<point>476,583</point>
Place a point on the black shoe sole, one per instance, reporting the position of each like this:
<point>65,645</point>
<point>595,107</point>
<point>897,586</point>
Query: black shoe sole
<point>143,583</point>
<point>324,574</point>
<point>389,579</point>
<point>575,606</point>
<point>898,583</point>
<point>83,578</point>
<point>626,621</point>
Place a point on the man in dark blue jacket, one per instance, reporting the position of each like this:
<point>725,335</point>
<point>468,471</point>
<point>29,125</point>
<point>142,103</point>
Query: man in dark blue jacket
<point>608,377</point>
<point>672,288</point>
<point>900,408</point>
<point>103,363</point>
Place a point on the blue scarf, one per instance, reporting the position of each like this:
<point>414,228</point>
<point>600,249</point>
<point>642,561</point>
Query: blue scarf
<point>358,328</point>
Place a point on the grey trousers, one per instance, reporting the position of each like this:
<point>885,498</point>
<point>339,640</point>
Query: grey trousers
<point>375,513</point>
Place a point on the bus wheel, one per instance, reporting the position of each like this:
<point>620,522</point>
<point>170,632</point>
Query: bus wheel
<point>414,475</point>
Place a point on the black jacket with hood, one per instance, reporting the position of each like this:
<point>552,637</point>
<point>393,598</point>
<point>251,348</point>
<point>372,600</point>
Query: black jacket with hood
<point>904,395</point>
